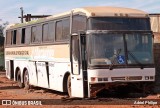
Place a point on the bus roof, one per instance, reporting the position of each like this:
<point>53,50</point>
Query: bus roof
<point>92,12</point>
<point>111,11</point>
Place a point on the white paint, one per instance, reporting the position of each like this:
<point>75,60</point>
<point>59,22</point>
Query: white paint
<point>120,73</point>
<point>77,85</point>
<point>7,68</point>
<point>52,77</point>
<point>42,74</point>
<point>32,73</point>
<point>42,53</point>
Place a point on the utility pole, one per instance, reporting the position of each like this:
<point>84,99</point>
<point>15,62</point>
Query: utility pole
<point>21,14</point>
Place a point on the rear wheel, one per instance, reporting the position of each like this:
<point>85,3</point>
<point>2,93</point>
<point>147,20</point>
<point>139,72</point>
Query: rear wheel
<point>26,80</point>
<point>20,84</point>
<point>69,85</point>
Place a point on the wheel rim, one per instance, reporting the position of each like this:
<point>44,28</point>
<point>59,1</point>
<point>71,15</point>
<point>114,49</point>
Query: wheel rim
<point>19,79</point>
<point>26,79</point>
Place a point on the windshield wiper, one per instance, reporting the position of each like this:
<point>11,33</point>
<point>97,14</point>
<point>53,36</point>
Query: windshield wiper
<point>135,59</point>
<point>114,59</point>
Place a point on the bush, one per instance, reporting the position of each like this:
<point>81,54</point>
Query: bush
<point>2,68</point>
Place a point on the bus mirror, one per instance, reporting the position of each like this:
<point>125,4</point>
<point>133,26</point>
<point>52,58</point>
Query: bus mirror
<point>82,33</point>
<point>82,37</point>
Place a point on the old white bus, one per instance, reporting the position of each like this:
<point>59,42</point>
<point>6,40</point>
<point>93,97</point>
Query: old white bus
<point>82,51</point>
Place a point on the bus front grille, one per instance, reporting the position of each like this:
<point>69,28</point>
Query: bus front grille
<point>126,78</point>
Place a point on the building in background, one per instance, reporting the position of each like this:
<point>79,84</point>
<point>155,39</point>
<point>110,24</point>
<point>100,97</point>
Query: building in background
<point>155,26</point>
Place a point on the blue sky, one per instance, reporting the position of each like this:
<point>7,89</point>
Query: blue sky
<point>10,9</point>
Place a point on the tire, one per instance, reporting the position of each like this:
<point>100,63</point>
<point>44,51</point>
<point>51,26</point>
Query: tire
<point>69,86</point>
<point>20,84</point>
<point>26,80</point>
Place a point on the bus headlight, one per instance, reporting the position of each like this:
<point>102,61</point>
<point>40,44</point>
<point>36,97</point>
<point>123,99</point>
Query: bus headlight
<point>93,79</point>
<point>149,77</point>
<point>146,77</point>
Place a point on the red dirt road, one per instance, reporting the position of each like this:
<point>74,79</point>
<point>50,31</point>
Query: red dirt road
<point>52,99</point>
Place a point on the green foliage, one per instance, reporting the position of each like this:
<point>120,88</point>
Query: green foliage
<point>1,59</point>
<point>2,68</point>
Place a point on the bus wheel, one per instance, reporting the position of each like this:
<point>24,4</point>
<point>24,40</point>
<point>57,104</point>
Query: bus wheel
<point>19,79</point>
<point>69,85</point>
<point>26,80</point>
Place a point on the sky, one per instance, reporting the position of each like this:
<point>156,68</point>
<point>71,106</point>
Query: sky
<point>10,9</point>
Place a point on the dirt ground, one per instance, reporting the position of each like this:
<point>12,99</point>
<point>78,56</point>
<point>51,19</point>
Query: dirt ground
<point>44,98</point>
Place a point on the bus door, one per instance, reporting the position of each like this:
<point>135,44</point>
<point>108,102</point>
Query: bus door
<point>77,78</point>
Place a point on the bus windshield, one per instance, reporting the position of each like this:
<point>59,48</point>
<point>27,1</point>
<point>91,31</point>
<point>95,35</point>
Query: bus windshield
<point>120,49</point>
<point>117,23</point>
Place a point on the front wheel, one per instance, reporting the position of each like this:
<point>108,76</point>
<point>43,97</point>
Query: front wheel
<point>69,85</point>
<point>26,80</point>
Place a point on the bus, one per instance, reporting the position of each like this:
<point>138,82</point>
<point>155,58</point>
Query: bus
<point>82,51</point>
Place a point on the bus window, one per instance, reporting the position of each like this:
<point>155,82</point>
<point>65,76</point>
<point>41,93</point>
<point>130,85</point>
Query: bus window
<point>118,23</point>
<point>59,30</point>
<point>18,37</point>
<point>36,34</point>
<point>62,29</point>
<point>33,33</point>
<point>28,35</point>
<point>14,34</point>
<point>23,36</point>
<point>8,38</point>
<point>66,26</point>
<point>51,33</point>
<point>39,33</point>
<point>79,23</point>
<point>45,32</point>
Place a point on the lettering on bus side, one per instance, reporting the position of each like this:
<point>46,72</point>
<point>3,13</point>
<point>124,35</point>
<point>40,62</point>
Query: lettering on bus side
<point>17,52</point>
<point>42,53</point>
<point>42,64</point>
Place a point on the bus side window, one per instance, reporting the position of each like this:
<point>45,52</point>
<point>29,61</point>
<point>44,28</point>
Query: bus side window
<point>8,37</point>
<point>33,34</point>
<point>62,29</point>
<point>45,36</point>
<point>14,36</point>
<point>28,35</point>
<point>36,34</point>
<point>66,27</point>
<point>79,23</point>
<point>58,30</point>
<point>51,34</point>
<point>39,33</point>
<point>18,37</point>
<point>23,36</point>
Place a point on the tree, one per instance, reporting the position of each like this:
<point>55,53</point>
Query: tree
<point>2,27</point>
